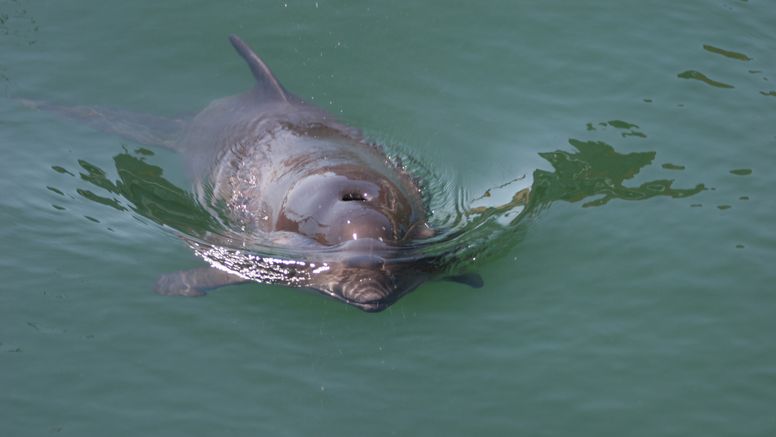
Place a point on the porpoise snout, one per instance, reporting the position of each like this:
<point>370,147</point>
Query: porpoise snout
<point>369,294</point>
<point>365,295</point>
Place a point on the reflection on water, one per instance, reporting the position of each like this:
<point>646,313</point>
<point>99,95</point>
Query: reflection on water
<point>726,53</point>
<point>729,54</point>
<point>630,129</point>
<point>596,169</point>
<point>144,190</point>
<point>594,173</point>
<point>696,75</point>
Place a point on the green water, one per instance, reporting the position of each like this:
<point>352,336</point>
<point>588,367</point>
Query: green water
<point>637,300</point>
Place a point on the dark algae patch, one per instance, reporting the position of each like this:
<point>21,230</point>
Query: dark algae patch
<point>741,171</point>
<point>596,169</point>
<point>55,190</point>
<point>696,75</point>
<point>629,128</point>
<point>142,188</point>
<point>61,170</point>
<point>726,53</point>
<point>619,124</point>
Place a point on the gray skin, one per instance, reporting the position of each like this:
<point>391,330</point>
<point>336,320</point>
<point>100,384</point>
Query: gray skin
<point>287,175</point>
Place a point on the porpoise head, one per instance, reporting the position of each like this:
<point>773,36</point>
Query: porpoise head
<point>365,220</point>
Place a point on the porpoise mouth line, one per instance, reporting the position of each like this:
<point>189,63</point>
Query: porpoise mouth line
<point>371,307</point>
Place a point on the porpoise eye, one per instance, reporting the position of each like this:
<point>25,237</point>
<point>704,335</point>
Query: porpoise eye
<point>354,197</point>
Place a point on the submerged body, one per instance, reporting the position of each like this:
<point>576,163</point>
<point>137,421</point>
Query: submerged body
<point>284,174</point>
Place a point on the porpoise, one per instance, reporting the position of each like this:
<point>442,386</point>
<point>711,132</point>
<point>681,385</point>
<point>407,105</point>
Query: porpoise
<point>285,174</point>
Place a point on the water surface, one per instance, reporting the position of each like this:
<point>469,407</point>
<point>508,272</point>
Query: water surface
<point>635,298</point>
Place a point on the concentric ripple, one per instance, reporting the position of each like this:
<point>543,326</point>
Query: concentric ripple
<point>593,172</point>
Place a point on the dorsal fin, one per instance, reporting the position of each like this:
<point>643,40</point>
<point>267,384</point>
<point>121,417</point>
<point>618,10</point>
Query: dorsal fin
<point>265,80</point>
